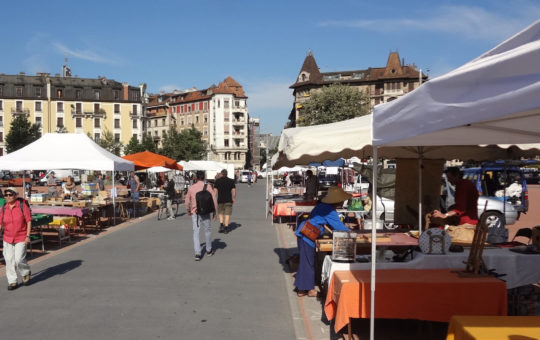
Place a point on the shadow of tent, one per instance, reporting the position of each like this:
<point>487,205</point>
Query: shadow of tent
<point>59,269</point>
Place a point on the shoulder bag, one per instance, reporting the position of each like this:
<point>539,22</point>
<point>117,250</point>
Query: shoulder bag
<point>310,231</point>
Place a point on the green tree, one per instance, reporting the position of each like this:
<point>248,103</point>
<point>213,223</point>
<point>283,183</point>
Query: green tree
<point>21,133</point>
<point>133,146</point>
<point>148,143</point>
<point>108,142</point>
<point>334,103</point>
<point>186,145</point>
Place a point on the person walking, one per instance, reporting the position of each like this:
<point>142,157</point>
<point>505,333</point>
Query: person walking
<point>16,225</point>
<point>312,186</point>
<point>249,178</point>
<point>201,218</point>
<point>171,195</point>
<point>225,189</point>
<point>134,186</point>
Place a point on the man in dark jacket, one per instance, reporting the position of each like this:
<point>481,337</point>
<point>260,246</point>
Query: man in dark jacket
<point>171,194</point>
<point>225,189</point>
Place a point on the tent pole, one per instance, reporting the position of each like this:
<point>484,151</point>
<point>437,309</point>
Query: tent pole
<point>113,194</point>
<point>420,170</point>
<point>375,221</point>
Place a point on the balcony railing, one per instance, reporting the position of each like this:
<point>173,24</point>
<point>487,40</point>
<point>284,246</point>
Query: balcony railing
<point>101,113</point>
<point>15,111</point>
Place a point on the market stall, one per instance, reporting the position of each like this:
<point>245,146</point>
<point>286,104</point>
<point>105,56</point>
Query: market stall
<point>68,151</point>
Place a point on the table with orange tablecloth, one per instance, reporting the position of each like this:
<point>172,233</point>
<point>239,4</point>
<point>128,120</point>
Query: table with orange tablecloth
<point>284,208</point>
<point>494,327</point>
<point>424,294</point>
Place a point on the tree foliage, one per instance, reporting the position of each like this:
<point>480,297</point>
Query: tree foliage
<point>22,133</point>
<point>108,142</point>
<point>334,103</point>
<point>148,143</point>
<point>133,146</point>
<point>186,145</point>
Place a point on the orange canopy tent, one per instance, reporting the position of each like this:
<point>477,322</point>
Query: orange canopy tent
<point>147,159</point>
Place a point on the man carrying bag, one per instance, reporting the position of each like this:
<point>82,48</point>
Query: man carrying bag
<point>201,204</point>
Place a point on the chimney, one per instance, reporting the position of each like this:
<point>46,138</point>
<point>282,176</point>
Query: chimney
<point>126,90</point>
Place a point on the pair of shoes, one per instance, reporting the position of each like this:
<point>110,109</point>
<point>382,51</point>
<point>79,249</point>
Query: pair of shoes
<point>12,286</point>
<point>211,252</point>
<point>198,257</point>
<point>26,278</point>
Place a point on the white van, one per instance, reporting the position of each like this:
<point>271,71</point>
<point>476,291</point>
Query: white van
<point>61,176</point>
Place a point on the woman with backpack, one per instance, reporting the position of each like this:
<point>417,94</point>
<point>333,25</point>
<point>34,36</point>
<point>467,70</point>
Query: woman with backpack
<point>16,224</point>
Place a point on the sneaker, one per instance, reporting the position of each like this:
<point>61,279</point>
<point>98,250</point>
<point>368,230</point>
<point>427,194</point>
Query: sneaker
<point>226,230</point>
<point>170,218</point>
<point>198,257</point>
<point>26,278</point>
<point>12,286</point>
<point>211,252</point>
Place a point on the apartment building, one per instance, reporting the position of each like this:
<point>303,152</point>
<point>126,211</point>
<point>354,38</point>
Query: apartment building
<point>254,158</point>
<point>220,112</point>
<point>381,84</point>
<point>72,104</point>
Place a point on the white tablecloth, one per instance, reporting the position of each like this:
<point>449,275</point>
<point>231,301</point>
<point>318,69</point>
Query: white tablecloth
<point>520,269</point>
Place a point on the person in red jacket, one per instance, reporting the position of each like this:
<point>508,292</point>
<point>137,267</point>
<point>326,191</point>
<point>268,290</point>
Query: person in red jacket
<point>16,223</point>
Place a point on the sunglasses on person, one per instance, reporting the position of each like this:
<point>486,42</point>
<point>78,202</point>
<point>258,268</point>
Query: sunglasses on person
<point>10,194</point>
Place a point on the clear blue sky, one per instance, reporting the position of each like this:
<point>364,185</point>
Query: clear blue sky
<point>262,44</point>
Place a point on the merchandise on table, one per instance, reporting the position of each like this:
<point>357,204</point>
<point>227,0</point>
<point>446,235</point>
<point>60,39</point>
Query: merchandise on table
<point>39,197</point>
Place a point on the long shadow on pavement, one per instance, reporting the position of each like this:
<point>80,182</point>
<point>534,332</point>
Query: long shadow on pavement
<point>56,270</point>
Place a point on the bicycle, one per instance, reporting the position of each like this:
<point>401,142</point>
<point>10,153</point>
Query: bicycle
<point>162,209</point>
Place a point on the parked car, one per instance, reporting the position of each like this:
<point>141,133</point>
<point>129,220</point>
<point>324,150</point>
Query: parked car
<point>327,181</point>
<point>244,176</point>
<point>501,181</point>
<point>61,175</point>
<point>497,212</point>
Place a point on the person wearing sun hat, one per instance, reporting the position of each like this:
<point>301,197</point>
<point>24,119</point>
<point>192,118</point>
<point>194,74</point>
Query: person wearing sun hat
<point>16,223</point>
<point>323,213</point>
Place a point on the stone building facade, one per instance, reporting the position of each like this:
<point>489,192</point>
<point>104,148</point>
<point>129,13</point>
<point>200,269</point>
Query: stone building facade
<point>72,104</point>
<point>381,84</point>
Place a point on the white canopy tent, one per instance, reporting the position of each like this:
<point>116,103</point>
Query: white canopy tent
<point>202,165</point>
<point>64,151</point>
<point>353,138</point>
<point>490,100</point>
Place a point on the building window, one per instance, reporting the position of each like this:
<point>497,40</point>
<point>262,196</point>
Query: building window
<point>134,123</point>
<point>37,106</point>
<point>59,122</point>
<point>182,122</point>
<point>58,93</point>
<point>96,108</point>
<point>1,90</point>
<point>411,86</point>
<point>205,118</point>
<point>78,108</point>
<point>78,94</point>
<point>96,137</point>
<point>225,104</point>
<point>1,120</point>
<point>78,122</point>
<point>134,110</point>
<point>237,103</point>
<point>116,108</point>
<point>181,109</point>
<point>18,106</point>
<point>163,122</point>
<point>38,92</point>
<point>38,121</point>
<point>1,105</point>
<point>197,119</point>
<point>155,122</point>
<point>60,107</point>
<point>19,91</point>
<point>201,106</point>
<point>96,94</point>
<point>135,95</point>
<point>117,123</point>
<point>226,143</point>
<point>116,94</point>
<point>1,137</point>
<point>218,101</point>
<point>205,106</point>
<point>205,132</point>
<point>135,136</point>
<point>116,137</point>
<point>97,122</point>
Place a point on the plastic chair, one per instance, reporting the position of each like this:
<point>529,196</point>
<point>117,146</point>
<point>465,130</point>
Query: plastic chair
<point>524,232</point>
